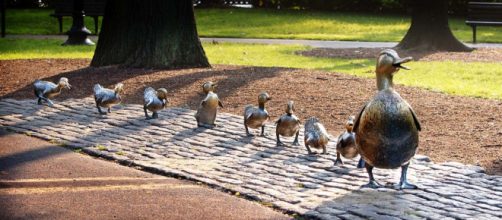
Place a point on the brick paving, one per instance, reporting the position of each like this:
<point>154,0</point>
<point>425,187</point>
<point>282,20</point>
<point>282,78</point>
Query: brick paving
<point>284,177</point>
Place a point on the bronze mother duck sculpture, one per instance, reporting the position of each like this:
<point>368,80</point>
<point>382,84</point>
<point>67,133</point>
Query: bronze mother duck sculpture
<point>44,90</point>
<point>288,125</point>
<point>387,127</point>
<point>106,98</point>
<point>208,107</point>
<point>154,101</point>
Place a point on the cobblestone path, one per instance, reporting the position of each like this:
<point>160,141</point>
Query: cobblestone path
<point>284,177</point>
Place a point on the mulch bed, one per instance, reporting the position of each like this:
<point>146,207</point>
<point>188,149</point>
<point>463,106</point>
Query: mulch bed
<point>463,129</point>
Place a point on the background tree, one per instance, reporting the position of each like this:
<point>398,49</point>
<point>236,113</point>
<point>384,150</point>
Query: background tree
<point>429,30</point>
<point>149,34</point>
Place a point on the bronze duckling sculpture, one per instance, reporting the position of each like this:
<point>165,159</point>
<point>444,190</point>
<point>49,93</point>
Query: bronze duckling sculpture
<point>208,107</point>
<point>288,125</point>
<point>154,101</point>
<point>106,98</point>
<point>387,127</point>
<point>45,90</point>
<point>256,117</point>
<point>346,144</point>
<point>315,135</point>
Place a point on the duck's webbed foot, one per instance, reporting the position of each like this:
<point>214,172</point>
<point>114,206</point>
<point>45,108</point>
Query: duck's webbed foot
<point>208,126</point>
<point>338,160</point>
<point>39,102</point>
<point>308,149</point>
<point>403,183</point>
<point>279,142</point>
<point>247,130</point>
<point>146,113</point>
<point>361,163</point>
<point>295,142</point>
<point>50,103</point>
<point>262,134</point>
<point>155,115</point>
<point>372,183</point>
<point>99,110</point>
<point>109,110</point>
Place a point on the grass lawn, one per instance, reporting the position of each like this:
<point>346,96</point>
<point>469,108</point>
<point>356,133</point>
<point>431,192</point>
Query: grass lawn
<point>459,78</point>
<point>263,23</point>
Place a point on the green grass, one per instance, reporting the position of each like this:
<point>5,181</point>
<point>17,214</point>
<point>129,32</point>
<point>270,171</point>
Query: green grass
<point>459,78</point>
<point>262,23</point>
<point>32,49</point>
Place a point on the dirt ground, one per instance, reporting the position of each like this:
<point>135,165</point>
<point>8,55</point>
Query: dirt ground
<point>463,129</point>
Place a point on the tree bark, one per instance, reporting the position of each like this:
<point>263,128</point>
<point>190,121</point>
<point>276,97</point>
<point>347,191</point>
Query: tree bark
<point>429,29</point>
<point>149,34</point>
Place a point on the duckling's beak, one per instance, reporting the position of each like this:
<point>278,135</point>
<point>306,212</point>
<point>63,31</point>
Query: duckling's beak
<point>398,63</point>
<point>269,98</point>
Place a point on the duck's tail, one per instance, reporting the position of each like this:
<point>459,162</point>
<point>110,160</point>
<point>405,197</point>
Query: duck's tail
<point>97,88</point>
<point>248,110</point>
<point>148,94</point>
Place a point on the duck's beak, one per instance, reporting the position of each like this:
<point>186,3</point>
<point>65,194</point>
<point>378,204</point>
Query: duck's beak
<point>269,98</point>
<point>398,63</point>
<point>68,86</point>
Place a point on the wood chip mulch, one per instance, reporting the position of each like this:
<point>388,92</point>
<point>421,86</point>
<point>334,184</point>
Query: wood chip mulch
<point>463,129</point>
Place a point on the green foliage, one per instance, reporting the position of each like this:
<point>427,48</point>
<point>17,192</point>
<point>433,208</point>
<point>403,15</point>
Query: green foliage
<point>27,49</point>
<point>453,77</point>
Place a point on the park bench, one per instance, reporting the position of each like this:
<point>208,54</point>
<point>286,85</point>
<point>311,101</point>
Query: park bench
<point>92,8</point>
<point>483,14</point>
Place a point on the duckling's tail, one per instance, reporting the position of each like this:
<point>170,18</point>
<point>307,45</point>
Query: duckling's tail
<point>312,120</point>
<point>97,88</point>
<point>247,110</point>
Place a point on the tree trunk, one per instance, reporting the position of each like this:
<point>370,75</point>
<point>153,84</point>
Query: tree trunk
<point>429,29</point>
<point>149,34</point>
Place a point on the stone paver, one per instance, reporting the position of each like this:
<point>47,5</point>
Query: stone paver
<point>285,177</point>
